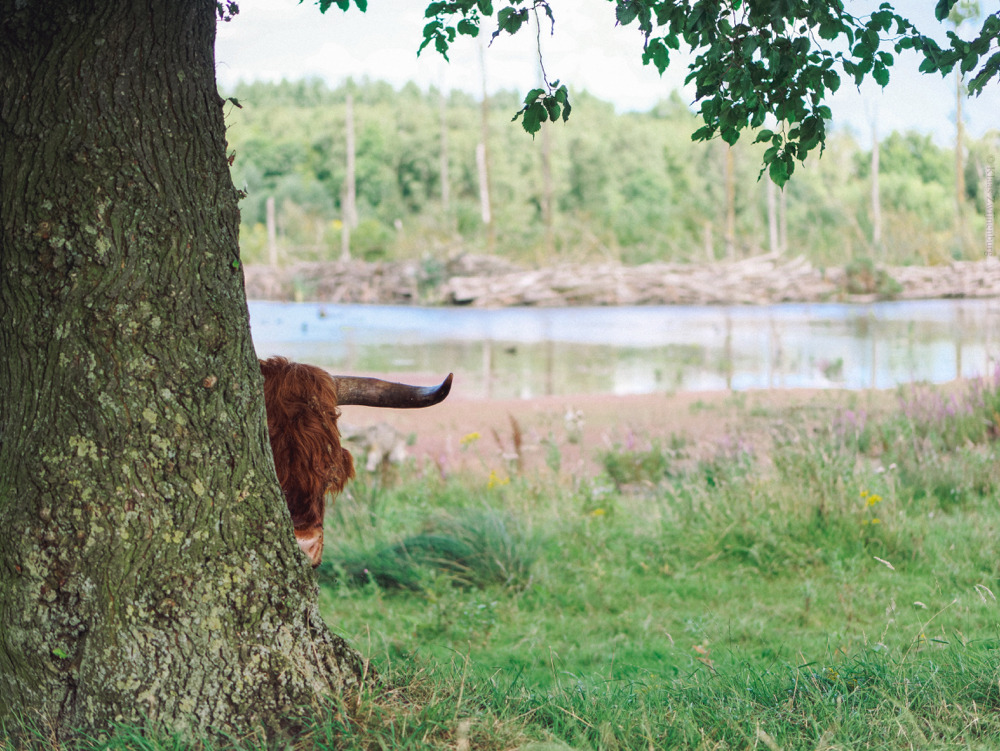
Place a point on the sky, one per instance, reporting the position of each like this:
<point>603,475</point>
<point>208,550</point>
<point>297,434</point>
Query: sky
<point>274,39</point>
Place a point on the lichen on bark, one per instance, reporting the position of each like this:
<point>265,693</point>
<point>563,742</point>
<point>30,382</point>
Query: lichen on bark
<point>148,570</point>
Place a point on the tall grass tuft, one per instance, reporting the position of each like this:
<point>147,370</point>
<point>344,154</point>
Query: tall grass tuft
<point>473,549</point>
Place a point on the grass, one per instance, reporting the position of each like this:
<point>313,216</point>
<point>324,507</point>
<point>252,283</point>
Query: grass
<point>836,591</point>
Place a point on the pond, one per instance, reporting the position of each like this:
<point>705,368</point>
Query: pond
<point>528,352</point>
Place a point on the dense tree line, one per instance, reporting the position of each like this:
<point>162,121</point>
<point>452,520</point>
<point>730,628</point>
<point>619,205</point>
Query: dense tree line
<point>629,186</point>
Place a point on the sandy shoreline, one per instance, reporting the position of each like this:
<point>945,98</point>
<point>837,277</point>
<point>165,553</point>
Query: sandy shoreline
<point>479,435</point>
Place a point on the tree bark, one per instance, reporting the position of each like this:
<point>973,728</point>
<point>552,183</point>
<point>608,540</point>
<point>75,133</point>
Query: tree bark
<point>148,570</point>
<point>443,159</point>
<point>730,204</point>
<point>350,204</point>
<point>876,196</point>
<point>772,216</point>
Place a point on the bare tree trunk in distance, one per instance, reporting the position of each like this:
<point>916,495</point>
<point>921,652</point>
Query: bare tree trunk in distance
<point>484,184</point>
<point>772,215</point>
<point>876,196</point>
<point>148,569</point>
<point>350,202</point>
<point>272,234</point>
<point>988,196</point>
<point>730,204</point>
<point>483,161</point>
<point>445,179</point>
<point>547,201</point>
<point>783,219</point>
<point>962,11</point>
<point>959,160</point>
<point>548,217</point>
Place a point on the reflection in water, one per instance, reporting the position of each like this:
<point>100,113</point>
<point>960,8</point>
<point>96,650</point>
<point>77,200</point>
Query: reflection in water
<point>525,352</point>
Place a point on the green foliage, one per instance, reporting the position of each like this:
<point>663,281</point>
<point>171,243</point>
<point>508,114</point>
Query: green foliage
<point>629,466</point>
<point>632,187</point>
<point>473,549</point>
<point>541,105</point>
<point>755,61</point>
<point>865,278</point>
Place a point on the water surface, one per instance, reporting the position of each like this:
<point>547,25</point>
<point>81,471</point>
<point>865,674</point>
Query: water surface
<point>526,352</point>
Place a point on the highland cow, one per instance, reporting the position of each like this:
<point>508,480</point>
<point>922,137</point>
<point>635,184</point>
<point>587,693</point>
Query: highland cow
<point>302,403</point>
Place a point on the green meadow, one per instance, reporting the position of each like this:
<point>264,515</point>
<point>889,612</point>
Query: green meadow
<point>829,584</point>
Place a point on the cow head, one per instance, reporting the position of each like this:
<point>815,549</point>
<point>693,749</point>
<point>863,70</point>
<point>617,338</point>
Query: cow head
<point>302,409</point>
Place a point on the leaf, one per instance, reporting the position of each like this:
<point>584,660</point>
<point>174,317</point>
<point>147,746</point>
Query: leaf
<point>626,13</point>
<point>468,28</point>
<point>533,95</point>
<point>61,654</point>
<point>987,72</point>
<point>943,8</point>
<point>703,133</point>
<point>927,66</point>
<point>778,173</point>
<point>511,20</point>
<point>441,44</point>
<point>969,62</point>
<point>881,75</point>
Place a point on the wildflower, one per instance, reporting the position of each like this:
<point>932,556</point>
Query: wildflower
<point>468,439</point>
<point>598,512</point>
<point>870,499</point>
<point>495,480</point>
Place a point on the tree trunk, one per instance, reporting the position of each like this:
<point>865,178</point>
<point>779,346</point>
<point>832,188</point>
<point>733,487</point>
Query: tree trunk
<point>443,159</point>
<point>483,161</point>
<point>350,203</point>
<point>730,205</point>
<point>876,197</point>
<point>148,570</point>
<point>548,201</point>
<point>272,233</point>
<point>772,216</point>
<point>959,162</point>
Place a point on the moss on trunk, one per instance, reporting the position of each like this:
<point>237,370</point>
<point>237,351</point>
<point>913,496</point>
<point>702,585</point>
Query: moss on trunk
<point>148,569</point>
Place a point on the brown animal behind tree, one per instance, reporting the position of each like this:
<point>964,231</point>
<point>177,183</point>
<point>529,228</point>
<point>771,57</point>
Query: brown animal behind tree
<point>302,403</point>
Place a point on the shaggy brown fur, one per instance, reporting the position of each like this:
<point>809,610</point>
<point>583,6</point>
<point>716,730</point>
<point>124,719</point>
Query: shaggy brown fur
<point>302,413</point>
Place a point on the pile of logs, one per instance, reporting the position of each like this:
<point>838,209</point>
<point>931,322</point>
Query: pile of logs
<point>489,282</point>
<point>958,279</point>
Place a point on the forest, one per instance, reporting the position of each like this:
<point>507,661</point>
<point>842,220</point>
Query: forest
<point>626,187</point>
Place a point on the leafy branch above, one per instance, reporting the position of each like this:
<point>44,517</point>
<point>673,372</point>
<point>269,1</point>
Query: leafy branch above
<point>772,62</point>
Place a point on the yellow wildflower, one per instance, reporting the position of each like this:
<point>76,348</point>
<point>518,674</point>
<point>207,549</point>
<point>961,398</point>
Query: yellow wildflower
<point>496,480</point>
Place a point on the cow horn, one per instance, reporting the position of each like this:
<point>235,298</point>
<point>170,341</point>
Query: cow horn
<point>374,392</point>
